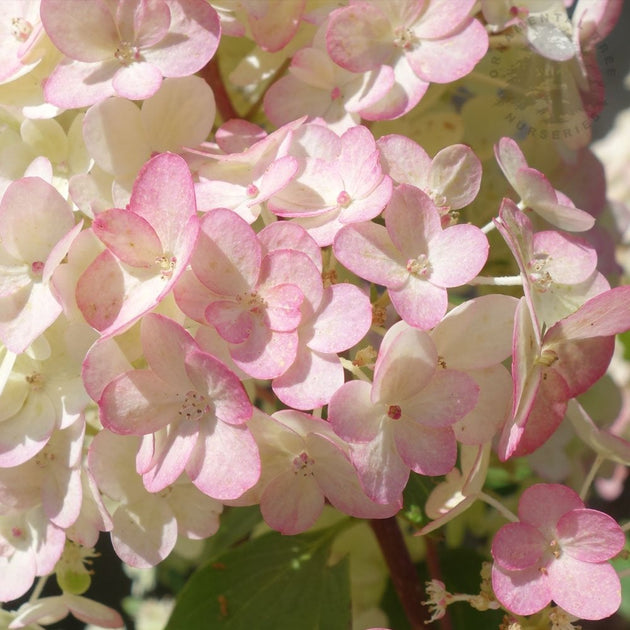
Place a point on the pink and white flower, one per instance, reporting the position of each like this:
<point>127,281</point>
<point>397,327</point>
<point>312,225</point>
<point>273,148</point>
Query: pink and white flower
<point>557,551</point>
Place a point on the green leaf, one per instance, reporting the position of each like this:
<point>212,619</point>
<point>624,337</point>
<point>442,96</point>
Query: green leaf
<point>415,496</point>
<point>273,582</point>
<point>236,524</point>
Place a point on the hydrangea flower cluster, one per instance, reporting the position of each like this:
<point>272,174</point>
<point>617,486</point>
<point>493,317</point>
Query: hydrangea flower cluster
<point>355,287</point>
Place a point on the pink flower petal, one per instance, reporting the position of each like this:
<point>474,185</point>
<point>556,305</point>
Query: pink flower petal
<point>225,462</point>
<point>518,546</point>
<point>137,403</point>
<point>145,532</point>
<point>137,81</point>
<point>589,535</point>
<point>310,381</point>
<point>471,245</point>
<point>353,415</point>
<point>291,503</point>
<point>521,592</point>
<point>425,449</point>
<point>82,29</point>
<point>406,363</point>
<point>542,504</point>
<point>130,237</point>
<point>586,590</point>
<point>359,37</point>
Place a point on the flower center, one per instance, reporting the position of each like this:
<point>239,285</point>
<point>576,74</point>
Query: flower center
<point>195,405</point>
<point>44,458</point>
<point>21,29</point>
<point>420,266</point>
<point>302,464</point>
<point>35,380</point>
<point>127,53</point>
<point>252,302</point>
<point>394,412</point>
<point>404,38</point>
<point>540,278</point>
<point>344,199</point>
<point>166,265</point>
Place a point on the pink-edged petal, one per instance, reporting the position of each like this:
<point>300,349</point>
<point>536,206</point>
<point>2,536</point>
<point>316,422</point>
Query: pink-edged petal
<point>404,160</point>
<point>353,415</point>
<point>200,522</point>
<point>213,379</point>
<point>291,503</point>
<point>137,81</point>
<point>130,237</point>
<point>225,462</point>
<point>310,381</point>
<point>406,363</point>
<point>446,398</point>
<point>100,291</point>
<point>367,250</point>
<point>586,590</point>
<point>232,322</point>
<point>359,37</point>
<point>510,158</point>
<point>445,60</point>
<point>191,41</point>
<point>170,462</point>
<point>419,302</point>
<point>287,235</point>
<point>164,195</point>
<point>283,312</point>
<point>27,432</point>
<point>570,259</point>
<point>425,449</point>
<point>144,532</point>
<point>117,118</point>
<point>22,568</point>
<point>81,29</point>
<point>456,175</point>
<point>36,310</point>
<point>338,480</point>
<point>542,504</point>
<point>541,419</point>
<point>265,353</point>
<point>228,256</point>
<point>589,535</point>
<point>581,363</point>
<point>78,84</point>
<point>146,23</point>
<point>492,408</point>
<point>137,403</point>
<point>603,315</point>
<point>343,319</point>
<point>412,221</point>
<point>165,344</point>
<point>472,248</point>
<point>33,218</point>
<point>89,611</point>
<point>382,472</point>
<point>477,333</point>
<point>521,592</point>
<point>518,546</point>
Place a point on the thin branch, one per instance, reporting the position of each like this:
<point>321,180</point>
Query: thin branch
<point>401,569</point>
<point>211,74</point>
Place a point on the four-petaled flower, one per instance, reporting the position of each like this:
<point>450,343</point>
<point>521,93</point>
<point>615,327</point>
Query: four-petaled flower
<point>558,551</point>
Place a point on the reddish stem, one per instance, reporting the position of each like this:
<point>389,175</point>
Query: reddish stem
<point>211,74</point>
<point>402,572</point>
